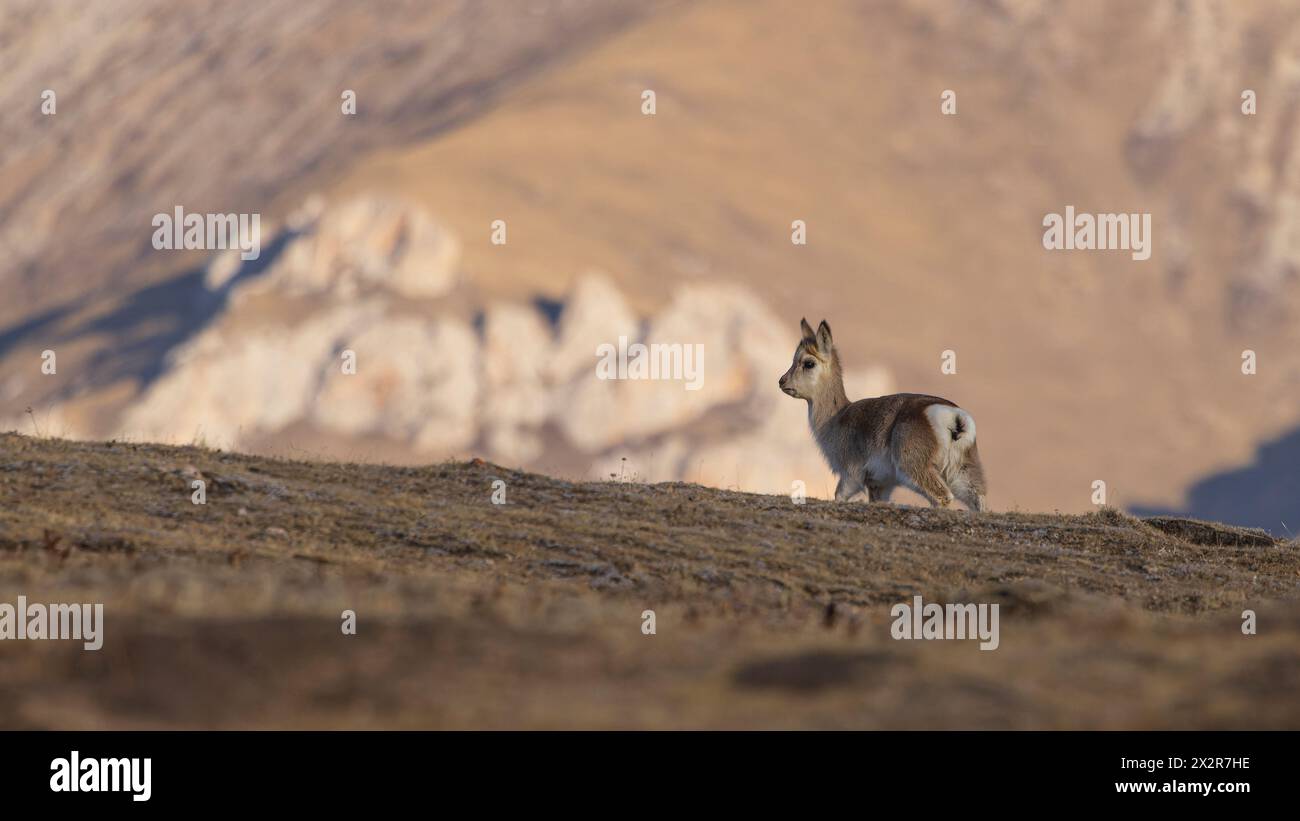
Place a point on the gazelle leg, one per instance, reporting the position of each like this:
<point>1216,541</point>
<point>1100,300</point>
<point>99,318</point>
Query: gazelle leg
<point>847,489</point>
<point>880,493</point>
<point>933,488</point>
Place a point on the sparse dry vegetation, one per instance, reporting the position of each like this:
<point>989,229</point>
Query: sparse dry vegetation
<point>769,614</point>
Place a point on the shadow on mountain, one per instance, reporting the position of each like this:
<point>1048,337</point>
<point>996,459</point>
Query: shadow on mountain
<point>145,326</point>
<point>1264,494</point>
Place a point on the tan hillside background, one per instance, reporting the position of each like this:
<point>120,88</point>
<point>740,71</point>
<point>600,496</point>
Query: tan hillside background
<point>924,230</point>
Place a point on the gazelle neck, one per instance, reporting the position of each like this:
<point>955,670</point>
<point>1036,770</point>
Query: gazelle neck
<point>828,401</point>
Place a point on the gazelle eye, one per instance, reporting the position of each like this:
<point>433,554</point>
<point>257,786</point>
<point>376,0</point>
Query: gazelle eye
<point>808,364</point>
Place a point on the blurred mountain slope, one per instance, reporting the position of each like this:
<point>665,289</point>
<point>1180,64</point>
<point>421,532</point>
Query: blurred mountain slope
<point>219,106</point>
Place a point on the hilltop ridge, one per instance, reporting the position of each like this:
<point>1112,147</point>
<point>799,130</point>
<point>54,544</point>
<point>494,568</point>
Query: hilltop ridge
<point>528,614</point>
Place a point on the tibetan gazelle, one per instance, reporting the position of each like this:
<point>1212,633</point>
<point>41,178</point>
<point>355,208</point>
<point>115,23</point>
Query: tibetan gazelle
<point>924,443</point>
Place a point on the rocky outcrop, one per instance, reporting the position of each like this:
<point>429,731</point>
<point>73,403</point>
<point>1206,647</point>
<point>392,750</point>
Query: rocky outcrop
<point>514,386</point>
<point>416,381</point>
<point>233,380</point>
<point>361,244</point>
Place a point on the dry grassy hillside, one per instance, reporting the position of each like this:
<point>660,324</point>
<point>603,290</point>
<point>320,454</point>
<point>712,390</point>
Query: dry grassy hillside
<point>528,614</point>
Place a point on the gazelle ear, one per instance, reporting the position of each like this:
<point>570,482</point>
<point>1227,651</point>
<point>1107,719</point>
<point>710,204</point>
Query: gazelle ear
<point>806,329</point>
<point>824,337</point>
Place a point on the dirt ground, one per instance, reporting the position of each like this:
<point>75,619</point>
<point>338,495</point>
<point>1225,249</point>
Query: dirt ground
<point>529,614</point>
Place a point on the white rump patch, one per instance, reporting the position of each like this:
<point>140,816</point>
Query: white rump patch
<point>944,420</point>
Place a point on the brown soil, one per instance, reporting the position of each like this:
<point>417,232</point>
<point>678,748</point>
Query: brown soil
<point>529,614</point>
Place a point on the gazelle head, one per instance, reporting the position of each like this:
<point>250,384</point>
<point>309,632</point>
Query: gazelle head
<point>815,370</point>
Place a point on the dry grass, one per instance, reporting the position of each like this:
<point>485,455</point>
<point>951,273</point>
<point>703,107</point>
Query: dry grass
<point>528,614</point>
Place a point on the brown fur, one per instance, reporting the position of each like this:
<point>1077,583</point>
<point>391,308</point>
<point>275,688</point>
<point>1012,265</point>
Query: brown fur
<point>880,443</point>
